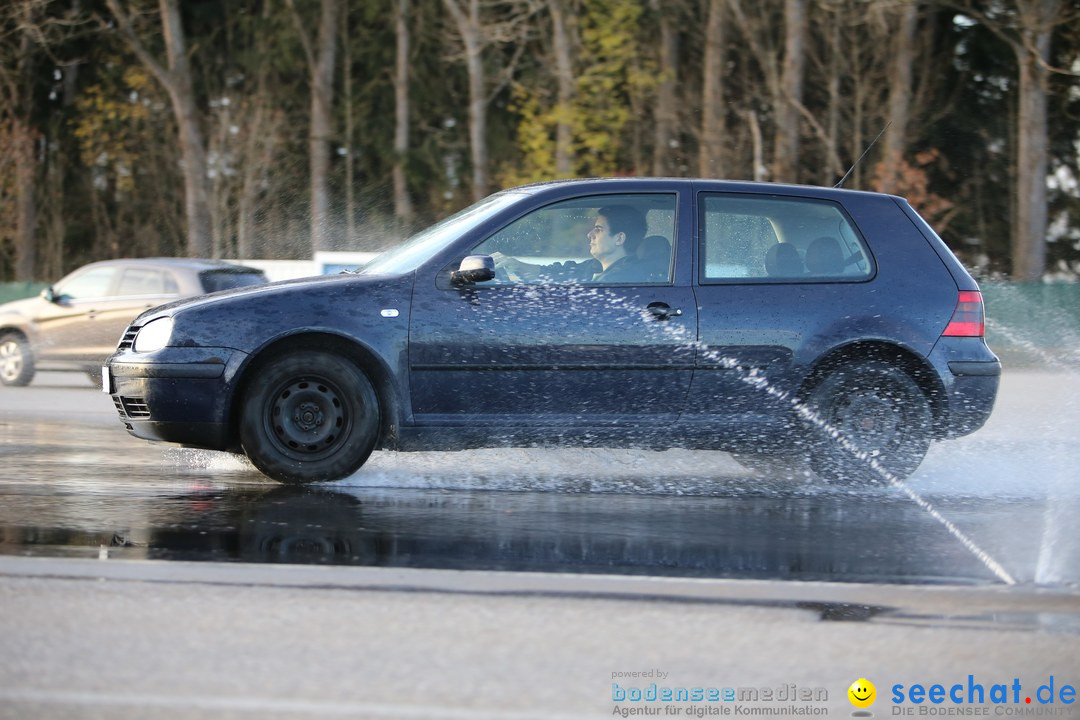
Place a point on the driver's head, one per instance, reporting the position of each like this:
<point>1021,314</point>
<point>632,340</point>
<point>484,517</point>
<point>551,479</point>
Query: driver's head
<point>616,233</point>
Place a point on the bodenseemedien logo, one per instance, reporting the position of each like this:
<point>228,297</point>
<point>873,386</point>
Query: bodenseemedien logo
<point>786,700</point>
<point>862,694</point>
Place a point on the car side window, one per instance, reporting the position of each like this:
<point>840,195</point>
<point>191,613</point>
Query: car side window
<point>778,239</point>
<point>92,284</point>
<point>145,281</point>
<point>595,240</point>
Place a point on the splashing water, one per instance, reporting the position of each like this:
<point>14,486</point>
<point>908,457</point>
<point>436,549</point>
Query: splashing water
<point>1062,361</point>
<point>1038,317</point>
<point>756,380</point>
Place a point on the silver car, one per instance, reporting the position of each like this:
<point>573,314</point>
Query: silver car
<point>76,323</point>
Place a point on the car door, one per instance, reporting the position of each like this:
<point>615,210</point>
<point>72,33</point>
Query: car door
<point>65,328</point>
<point>553,350</point>
<point>774,276</point>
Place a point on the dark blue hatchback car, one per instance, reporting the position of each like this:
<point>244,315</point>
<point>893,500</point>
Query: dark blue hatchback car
<point>781,323</point>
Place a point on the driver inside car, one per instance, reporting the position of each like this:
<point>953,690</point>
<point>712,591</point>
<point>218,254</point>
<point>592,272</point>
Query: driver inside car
<point>613,240</point>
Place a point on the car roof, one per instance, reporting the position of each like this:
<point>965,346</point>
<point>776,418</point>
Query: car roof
<point>614,184</point>
<point>195,264</point>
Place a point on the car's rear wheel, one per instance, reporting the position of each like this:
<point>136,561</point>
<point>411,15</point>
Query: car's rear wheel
<point>309,416</point>
<point>16,362</point>
<point>875,424</point>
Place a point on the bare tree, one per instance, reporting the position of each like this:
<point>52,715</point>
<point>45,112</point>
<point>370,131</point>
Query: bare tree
<point>403,208</point>
<point>20,34</point>
<point>666,109</point>
<point>900,90</point>
<point>24,137</point>
<point>469,28</point>
<point>785,166</point>
<point>1037,19</point>
<point>511,27</point>
<point>755,23</point>
<point>1027,26</point>
<point>320,60</point>
<point>349,130</point>
<point>563,35</point>
<point>175,77</point>
<point>713,110</point>
<point>259,146</point>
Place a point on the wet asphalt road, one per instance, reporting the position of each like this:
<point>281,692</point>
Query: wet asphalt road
<point>992,508</point>
<point>101,617</point>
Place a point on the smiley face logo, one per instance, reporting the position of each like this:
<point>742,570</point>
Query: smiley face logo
<point>862,693</point>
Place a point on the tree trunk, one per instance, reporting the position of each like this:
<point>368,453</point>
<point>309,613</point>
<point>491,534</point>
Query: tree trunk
<point>786,144</point>
<point>666,110</point>
<point>899,97</point>
<point>760,173</point>
<point>1029,230</point>
<point>713,125</point>
<point>347,131</point>
<point>176,79</point>
<point>564,75</point>
<point>322,100</point>
<point>470,31</point>
<point>192,145</point>
<point>403,208</point>
<point>832,121</point>
<point>25,207</point>
<point>24,138</point>
<point>259,143</point>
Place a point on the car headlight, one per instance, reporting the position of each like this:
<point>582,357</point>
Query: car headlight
<point>154,335</point>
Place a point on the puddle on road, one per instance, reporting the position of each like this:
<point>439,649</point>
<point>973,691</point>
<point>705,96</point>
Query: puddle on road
<point>90,492</point>
<point>869,536</point>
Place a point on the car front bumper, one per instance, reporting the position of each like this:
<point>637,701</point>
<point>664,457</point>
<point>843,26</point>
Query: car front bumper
<point>176,395</point>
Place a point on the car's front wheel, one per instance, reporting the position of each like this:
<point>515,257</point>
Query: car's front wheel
<point>309,416</point>
<point>870,424</point>
<point>16,362</point>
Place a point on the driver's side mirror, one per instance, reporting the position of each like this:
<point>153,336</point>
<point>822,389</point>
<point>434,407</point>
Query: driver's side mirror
<point>474,269</point>
<point>49,294</point>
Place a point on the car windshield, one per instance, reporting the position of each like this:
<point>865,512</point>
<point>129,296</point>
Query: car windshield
<point>214,280</point>
<point>427,243</point>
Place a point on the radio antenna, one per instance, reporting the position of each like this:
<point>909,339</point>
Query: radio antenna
<point>856,163</point>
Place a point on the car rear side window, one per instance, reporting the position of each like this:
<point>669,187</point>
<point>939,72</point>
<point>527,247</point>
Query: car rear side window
<point>146,281</point>
<point>778,239</point>
<point>214,280</point>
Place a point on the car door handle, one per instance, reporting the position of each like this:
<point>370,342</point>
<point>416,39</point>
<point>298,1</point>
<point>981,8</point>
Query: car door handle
<point>662,311</point>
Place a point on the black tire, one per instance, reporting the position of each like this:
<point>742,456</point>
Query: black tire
<point>880,412</point>
<point>309,417</point>
<point>16,361</point>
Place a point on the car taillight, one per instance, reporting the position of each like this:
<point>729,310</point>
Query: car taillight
<point>968,319</point>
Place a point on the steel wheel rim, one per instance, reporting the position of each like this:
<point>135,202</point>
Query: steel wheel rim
<point>871,421</point>
<point>308,418</point>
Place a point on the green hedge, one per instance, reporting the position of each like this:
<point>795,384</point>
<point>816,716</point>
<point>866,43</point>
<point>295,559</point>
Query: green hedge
<point>17,291</point>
